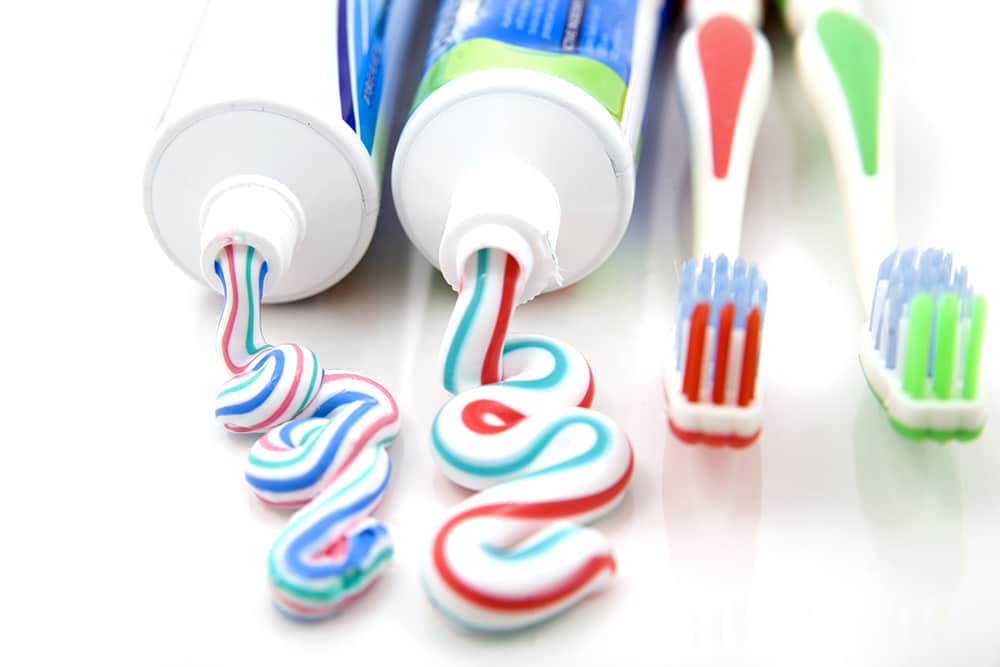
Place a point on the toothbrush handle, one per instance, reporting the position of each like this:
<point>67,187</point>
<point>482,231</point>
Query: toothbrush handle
<point>842,64</point>
<point>798,14</point>
<point>699,11</point>
<point>724,70</point>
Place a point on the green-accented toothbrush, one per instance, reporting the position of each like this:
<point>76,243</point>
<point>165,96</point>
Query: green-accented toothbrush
<point>921,348</point>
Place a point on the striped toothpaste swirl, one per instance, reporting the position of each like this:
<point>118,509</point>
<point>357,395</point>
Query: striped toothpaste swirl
<point>333,463</point>
<point>522,434</point>
<point>322,452</point>
<point>272,384</point>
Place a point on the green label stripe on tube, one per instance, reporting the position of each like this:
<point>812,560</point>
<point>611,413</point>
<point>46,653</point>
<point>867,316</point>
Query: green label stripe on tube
<point>856,57</point>
<point>585,42</point>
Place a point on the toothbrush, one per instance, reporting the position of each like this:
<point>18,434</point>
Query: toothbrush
<point>724,70</point>
<point>842,62</point>
<point>921,349</point>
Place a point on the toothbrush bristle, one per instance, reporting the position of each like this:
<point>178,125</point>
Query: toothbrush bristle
<point>720,319</point>
<point>924,341</point>
<point>725,300</point>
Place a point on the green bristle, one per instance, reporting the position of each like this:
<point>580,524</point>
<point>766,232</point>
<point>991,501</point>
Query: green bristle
<point>946,344</point>
<point>918,345</point>
<point>974,350</point>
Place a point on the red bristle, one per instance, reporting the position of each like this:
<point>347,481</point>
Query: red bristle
<point>722,353</point>
<point>748,380</point>
<point>696,352</point>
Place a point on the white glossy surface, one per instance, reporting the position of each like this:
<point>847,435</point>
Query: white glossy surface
<point>131,538</point>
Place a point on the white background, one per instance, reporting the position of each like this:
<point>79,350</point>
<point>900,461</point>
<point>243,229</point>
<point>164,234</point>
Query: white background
<point>130,537</point>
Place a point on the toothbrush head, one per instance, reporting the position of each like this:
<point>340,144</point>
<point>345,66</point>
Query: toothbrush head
<point>921,348</point>
<point>713,389</point>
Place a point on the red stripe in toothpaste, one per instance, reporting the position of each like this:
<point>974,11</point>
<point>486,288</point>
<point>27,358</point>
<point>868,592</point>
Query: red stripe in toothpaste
<point>491,364</point>
<point>362,441</point>
<point>588,398</point>
<point>234,298</point>
<point>321,610</point>
<point>556,509</point>
<point>475,417</point>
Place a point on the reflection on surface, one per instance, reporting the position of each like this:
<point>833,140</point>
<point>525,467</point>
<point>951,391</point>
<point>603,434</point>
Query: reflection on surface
<point>712,509</point>
<point>911,499</point>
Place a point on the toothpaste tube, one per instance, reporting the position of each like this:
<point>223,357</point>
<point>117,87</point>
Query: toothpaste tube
<point>525,133</point>
<point>274,136</point>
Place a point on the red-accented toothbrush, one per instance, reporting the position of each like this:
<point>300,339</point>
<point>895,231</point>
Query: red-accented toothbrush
<point>724,70</point>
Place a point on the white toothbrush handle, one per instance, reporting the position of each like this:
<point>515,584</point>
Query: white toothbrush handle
<point>699,11</point>
<point>842,62</point>
<point>724,70</point>
<point>800,13</point>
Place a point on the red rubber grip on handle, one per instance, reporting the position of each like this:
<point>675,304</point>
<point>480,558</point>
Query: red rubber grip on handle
<point>726,50</point>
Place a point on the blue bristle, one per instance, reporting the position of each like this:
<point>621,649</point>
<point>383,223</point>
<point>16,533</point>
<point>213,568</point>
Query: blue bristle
<point>908,276</point>
<point>884,272</point>
<point>689,276</point>
<point>685,303</point>
<point>739,269</point>
<point>895,315</point>
<point>704,293</point>
<point>908,273</point>
<point>929,282</point>
<point>964,291</point>
<point>741,300</point>
<point>722,293</point>
<point>885,268</point>
<point>753,280</point>
<point>927,269</point>
<point>718,283</point>
<point>891,319</point>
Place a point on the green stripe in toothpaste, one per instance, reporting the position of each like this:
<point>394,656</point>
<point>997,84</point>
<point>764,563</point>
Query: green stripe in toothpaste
<point>347,583</point>
<point>312,385</point>
<point>251,348</point>
<point>522,458</point>
<point>349,580</point>
<point>519,553</point>
<point>478,55</point>
<point>465,324</point>
<point>242,385</point>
